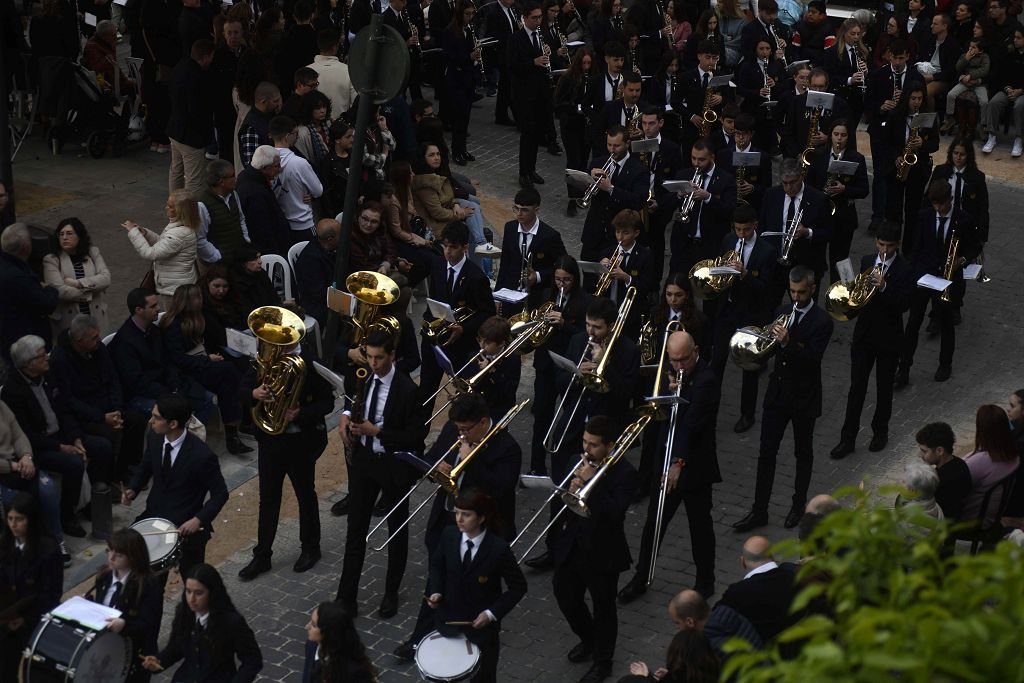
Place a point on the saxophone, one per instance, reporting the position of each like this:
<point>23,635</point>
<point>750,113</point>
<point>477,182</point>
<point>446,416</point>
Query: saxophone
<point>708,115</point>
<point>634,128</point>
<point>908,159</point>
<point>952,256</point>
<point>633,61</point>
<point>805,156</point>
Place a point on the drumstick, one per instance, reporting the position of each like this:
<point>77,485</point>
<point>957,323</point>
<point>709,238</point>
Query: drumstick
<point>169,531</point>
<point>458,623</point>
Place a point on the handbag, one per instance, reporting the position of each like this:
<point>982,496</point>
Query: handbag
<point>148,281</point>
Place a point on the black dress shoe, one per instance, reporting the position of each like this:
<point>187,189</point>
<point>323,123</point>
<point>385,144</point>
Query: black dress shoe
<point>743,424</point>
<point>406,651</point>
<point>469,157</point>
<point>842,449</point>
<point>581,652</point>
<point>636,587</point>
<point>901,379</point>
<point>878,442</point>
<point>388,606</point>
<point>340,509</point>
<point>505,122</point>
<point>525,180</point>
<point>459,158</point>
<point>307,560</point>
<point>236,446</point>
<point>554,150</point>
<point>571,208</point>
<point>541,562</point>
<point>943,373</point>
<point>71,527</point>
<point>753,520</point>
<point>598,672</point>
<point>536,178</point>
<point>793,517</point>
<point>258,565</point>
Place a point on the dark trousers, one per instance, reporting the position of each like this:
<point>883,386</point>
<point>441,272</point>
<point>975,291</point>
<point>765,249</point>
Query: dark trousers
<point>503,101</point>
<point>881,174</point>
<point>225,124</point>
<point>702,529</point>
<point>944,313</point>
<point>294,456</point>
<point>773,427</point>
<point>193,552</point>
<point>862,359</point>
<point>71,469</point>
<point>574,142</point>
<point>654,238</point>
<point>724,329</point>
<point>126,443</point>
<point>529,119</point>
<point>425,619</point>
<point>844,224</point>
<point>158,104</point>
<point>369,475</point>
<point>571,582</point>
<point>431,373</point>
<point>223,380</point>
<point>544,402</point>
<point>903,201</point>
<point>461,104</point>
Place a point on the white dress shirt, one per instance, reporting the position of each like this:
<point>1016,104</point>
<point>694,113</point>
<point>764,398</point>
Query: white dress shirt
<point>799,198</point>
<point>457,268</point>
<point>463,546</point>
<point>766,567</point>
<point>530,234</point>
<point>117,580</point>
<point>748,248</point>
<point>175,446</point>
<point>382,399</point>
<point>206,251</point>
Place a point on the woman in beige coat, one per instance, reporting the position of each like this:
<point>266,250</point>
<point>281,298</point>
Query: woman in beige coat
<point>173,251</point>
<point>77,271</point>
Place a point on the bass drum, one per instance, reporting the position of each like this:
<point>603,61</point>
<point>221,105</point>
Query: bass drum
<point>442,659</point>
<point>61,651</point>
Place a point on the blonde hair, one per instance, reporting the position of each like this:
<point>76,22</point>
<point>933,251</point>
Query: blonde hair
<point>186,209</point>
<point>841,43</point>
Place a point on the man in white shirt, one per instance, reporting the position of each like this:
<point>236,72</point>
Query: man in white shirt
<point>334,78</point>
<point>297,185</point>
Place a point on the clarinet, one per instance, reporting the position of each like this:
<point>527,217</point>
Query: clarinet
<point>413,33</point>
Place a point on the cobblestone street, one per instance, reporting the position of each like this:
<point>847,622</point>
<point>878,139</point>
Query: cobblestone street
<point>535,637</point>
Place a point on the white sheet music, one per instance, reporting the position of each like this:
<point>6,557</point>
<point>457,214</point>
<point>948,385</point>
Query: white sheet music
<point>563,363</point>
<point>87,613</point>
<point>510,296</point>
<point>242,343</point>
<point>440,309</point>
<point>934,282</point>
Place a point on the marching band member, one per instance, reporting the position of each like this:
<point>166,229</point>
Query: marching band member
<point>605,86</point>
<point>462,57</point>
<point>458,282</point>
<point>634,269</point>
<point>697,237</point>
<point>694,83</point>
<point>938,226</point>
<point>757,82</point>
<point>781,206</point>
<point>877,339</point>
<point>126,584</point>
<point>530,68</point>
<point>797,126</point>
<point>694,468</point>
<point>904,199</point>
<point>502,20</point>
<point>721,137</point>
<point>405,16</point>
<point>765,25</point>
<point>841,191</point>
<point>500,384</point>
<point>494,470</point>
<point>624,187</point>
<point>664,165</point>
<point>793,396</point>
<point>552,33</point>
<point>568,318</point>
<point>624,111</point>
<point>847,65</point>
<point>528,245</point>
<point>391,420</point>
<point>570,100</point>
<point>621,372</point>
<point>750,188</point>
<point>967,181</point>
<point>466,576</point>
<point>591,552</point>
<point>798,76</point>
<point>748,301</point>
<point>662,93</point>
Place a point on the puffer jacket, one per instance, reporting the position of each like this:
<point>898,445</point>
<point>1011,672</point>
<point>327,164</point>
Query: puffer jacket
<point>173,253</point>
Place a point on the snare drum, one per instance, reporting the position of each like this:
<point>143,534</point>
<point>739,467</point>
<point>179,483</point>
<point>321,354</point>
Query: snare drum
<point>444,659</point>
<point>164,548</point>
<point>60,651</point>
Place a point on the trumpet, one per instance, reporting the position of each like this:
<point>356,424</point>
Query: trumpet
<point>591,381</point>
<point>805,156</point>
<point>952,256</point>
<point>788,236</point>
<point>750,347</point>
<point>605,280</point>
<point>682,214</point>
<point>588,196</point>
<point>845,298</point>
<point>439,332</point>
<point>707,286</point>
<point>445,482</point>
<point>577,500</point>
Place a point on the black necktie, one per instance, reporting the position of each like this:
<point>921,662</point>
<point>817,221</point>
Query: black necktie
<point>451,283</point>
<point>371,407</point>
<point>853,60</point>
<point>798,318</point>
<point>615,85</point>
<point>166,468</point>
<point>940,234</point>
<point>790,212</point>
<point>467,556</point>
<point>199,628</point>
<point>536,43</point>
<point>958,191</point>
<point>704,81</point>
<point>615,172</point>
<point>512,19</point>
<point>115,595</point>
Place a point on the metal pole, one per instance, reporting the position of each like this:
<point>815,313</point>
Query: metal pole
<point>6,171</point>
<point>366,106</point>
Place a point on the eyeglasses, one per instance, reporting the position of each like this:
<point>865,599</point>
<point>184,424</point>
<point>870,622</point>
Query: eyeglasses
<point>521,209</point>
<point>564,280</point>
<point>468,429</point>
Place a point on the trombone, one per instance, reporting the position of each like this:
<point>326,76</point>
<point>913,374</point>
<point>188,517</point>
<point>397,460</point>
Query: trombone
<point>447,482</point>
<point>670,442</point>
<point>652,407</point>
<point>594,380</point>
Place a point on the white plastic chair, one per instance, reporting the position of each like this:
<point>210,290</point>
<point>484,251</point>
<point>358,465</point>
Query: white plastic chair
<point>293,254</point>
<point>271,262</point>
<point>109,338</point>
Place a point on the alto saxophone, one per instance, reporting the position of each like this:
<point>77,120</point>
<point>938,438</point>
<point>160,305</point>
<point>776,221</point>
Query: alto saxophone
<point>708,115</point>
<point>812,130</point>
<point>908,159</point>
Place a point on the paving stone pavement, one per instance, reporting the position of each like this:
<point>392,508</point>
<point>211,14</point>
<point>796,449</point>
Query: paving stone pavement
<point>535,637</point>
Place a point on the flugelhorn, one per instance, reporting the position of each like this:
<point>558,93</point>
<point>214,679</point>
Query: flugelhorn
<point>605,281</point>
<point>584,201</point>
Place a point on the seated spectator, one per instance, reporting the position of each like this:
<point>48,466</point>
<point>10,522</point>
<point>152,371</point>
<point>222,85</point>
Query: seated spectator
<point>297,186</point>
<point>314,269</point>
<point>314,120</point>
<point>404,226</point>
<point>766,591</point>
<point>255,128</point>
<point>304,80</point>
<point>78,272</point>
<point>142,361</point>
<point>935,445</point>
<point>173,251</point>
<point>221,310</point>
<point>58,443</point>
<point>183,326</point>
<point>26,304</point>
<point>30,568</point>
<point>333,169</point>
<point>100,57</point>
<point>86,376</point>
<point>922,482</point>
<point>688,610</point>
<point>993,459</point>
<point>690,659</point>
<point>250,283</point>
<point>268,228</point>
<point>222,229</point>
<point>18,472</point>
<point>371,248</point>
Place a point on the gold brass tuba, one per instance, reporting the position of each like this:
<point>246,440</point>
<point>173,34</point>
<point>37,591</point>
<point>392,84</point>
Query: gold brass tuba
<point>845,298</point>
<point>373,290</point>
<point>707,286</point>
<point>283,375</point>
